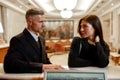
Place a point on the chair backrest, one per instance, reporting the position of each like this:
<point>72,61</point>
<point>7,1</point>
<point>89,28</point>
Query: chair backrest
<point>59,46</point>
<point>50,46</point>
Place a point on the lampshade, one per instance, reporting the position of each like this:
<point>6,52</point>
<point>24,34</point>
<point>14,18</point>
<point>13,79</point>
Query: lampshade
<point>1,28</point>
<point>65,4</point>
<point>66,13</point>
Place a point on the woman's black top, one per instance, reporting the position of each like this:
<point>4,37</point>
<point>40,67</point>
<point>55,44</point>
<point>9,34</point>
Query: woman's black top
<point>88,54</point>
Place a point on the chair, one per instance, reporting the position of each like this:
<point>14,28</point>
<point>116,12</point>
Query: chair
<point>50,46</point>
<point>59,47</point>
<point>67,44</point>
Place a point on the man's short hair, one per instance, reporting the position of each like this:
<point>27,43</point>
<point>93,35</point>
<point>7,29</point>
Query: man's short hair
<point>34,11</point>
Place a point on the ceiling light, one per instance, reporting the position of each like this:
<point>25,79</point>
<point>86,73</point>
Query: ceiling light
<point>66,13</point>
<point>65,4</point>
<point>112,4</point>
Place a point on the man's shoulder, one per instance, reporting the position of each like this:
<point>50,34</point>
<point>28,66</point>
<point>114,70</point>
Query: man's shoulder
<point>18,36</point>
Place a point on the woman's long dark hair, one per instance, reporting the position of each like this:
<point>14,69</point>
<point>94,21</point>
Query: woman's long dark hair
<point>95,22</point>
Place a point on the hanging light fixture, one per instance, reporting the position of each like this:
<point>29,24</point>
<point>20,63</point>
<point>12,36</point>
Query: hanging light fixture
<point>65,7</point>
<point>66,13</point>
<point>65,4</point>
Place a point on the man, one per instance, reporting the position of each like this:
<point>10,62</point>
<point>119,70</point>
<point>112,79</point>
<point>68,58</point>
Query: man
<point>26,53</point>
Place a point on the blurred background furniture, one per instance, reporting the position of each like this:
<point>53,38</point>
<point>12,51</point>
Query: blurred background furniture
<point>115,57</point>
<point>3,51</point>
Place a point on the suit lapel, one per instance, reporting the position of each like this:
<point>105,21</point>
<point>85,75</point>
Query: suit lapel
<point>31,40</point>
<point>43,49</point>
<point>42,45</point>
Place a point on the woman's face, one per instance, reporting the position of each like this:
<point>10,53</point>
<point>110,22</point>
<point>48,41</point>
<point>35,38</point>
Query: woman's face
<point>87,30</point>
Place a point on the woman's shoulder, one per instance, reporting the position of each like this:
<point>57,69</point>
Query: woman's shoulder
<point>80,39</point>
<point>106,45</point>
<point>76,39</point>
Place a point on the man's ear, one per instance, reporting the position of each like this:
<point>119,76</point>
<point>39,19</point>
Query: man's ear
<point>29,20</point>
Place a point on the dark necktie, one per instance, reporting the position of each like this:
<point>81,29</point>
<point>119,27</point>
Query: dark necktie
<point>38,42</point>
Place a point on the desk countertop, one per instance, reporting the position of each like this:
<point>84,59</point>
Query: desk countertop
<point>24,76</point>
<point>113,73</point>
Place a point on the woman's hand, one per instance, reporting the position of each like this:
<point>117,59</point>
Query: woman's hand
<point>97,39</point>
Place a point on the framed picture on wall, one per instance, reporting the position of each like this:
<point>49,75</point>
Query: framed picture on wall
<point>58,29</point>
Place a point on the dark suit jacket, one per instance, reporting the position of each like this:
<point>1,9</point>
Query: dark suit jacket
<point>24,56</point>
<point>90,55</point>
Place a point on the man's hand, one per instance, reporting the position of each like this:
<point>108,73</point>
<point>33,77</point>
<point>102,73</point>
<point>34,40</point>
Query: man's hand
<point>52,67</point>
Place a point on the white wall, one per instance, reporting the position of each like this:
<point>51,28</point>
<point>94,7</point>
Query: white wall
<point>14,23</point>
<point>113,31</point>
<point>76,27</point>
<point>118,14</point>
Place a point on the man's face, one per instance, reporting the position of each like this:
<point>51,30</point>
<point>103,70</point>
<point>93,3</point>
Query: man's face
<point>36,23</point>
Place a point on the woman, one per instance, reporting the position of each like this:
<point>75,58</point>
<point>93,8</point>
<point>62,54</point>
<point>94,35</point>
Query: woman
<point>90,49</point>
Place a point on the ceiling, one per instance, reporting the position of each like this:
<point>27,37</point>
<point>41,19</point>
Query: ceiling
<point>99,7</point>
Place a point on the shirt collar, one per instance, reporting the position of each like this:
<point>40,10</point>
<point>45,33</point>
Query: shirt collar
<point>34,35</point>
